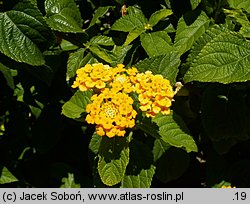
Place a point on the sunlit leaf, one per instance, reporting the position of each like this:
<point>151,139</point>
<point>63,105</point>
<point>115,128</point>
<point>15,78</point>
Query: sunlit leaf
<point>6,176</point>
<point>159,15</point>
<point>225,59</point>
<point>159,148</point>
<point>113,160</point>
<point>75,107</point>
<point>188,32</point>
<point>74,62</point>
<point>156,43</point>
<point>63,15</point>
<point>69,182</point>
<point>195,3</point>
<point>142,180</point>
<point>174,132</point>
<point>245,4</point>
<point>95,142</point>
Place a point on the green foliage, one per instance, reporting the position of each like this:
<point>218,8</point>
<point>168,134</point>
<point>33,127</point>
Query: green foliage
<point>6,176</point>
<point>195,3</point>
<point>156,43</point>
<point>174,132</point>
<point>63,15</point>
<point>75,107</point>
<point>69,182</point>
<point>244,4</point>
<point>113,160</point>
<point>217,63</point>
<point>204,44</point>
<point>7,75</point>
<point>142,180</point>
<point>159,15</point>
<point>24,31</point>
<point>188,32</point>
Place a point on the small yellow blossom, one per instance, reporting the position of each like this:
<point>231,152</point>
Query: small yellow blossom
<point>112,111</point>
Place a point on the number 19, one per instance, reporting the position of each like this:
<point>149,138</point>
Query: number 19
<point>241,196</point>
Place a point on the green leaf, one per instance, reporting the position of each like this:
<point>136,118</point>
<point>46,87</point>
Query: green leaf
<point>113,160</point>
<point>127,23</point>
<point>95,142</point>
<point>188,32</point>
<point>69,182</point>
<point>174,132</point>
<point>120,52</point>
<point>195,3</point>
<point>172,164</point>
<point>100,11</point>
<point>225,59</point>
<point>137,12</point>
<point>44,37</point>
<point>224,116</point>
<point>166,65</point>
<point>63,15</point>
<point>159,148</point>
<point>21,33</point>
<point>133,20</point>
<point>102,53</point>
<point>102,40</point>
<point>67,46</point>
<point>159,15</point>
<point>238,4</point>
<point>156,43</point>
<point>6,176</point>
<point>208,36</point>
<point>7,75</point>
<point>240,17</point>
<point>133,35</point>
<point>142,180</point>
<point>74,62</point>
<point>75,107</point>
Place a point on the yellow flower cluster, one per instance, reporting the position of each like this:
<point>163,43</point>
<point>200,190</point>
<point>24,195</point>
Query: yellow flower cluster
<point>155,93</point>
<point>112,108</point>
<point>112,111</point>
<point>99,76</point>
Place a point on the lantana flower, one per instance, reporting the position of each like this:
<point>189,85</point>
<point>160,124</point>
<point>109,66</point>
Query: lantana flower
<point>112,109</point>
